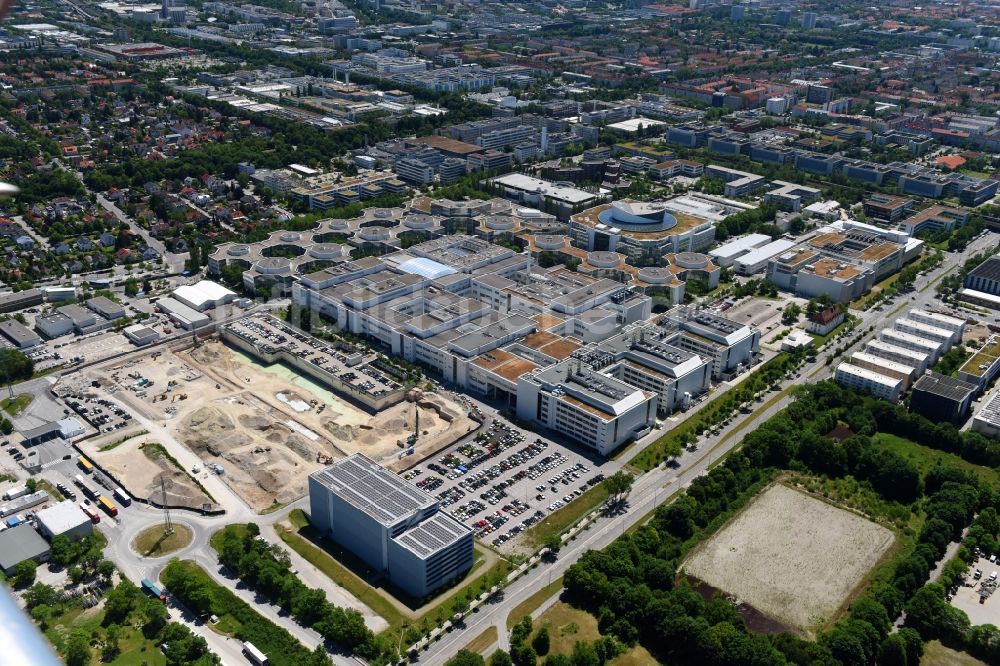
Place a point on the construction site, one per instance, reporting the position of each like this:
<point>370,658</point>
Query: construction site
<point>262,428</point>
<point>148,473</point>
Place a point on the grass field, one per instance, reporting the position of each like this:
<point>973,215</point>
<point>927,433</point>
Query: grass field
<point>348,572</point>
<point>925,458</point>
<point>483,640</point>
<point>561,520</point>
<point>567,625</point>
<point>17,404</point>
<point>135,648</point>
<point>528,606</point>
<point>42,484</point>
<point>936,654</point>
<point>152,542</point>
<point>793,557</point>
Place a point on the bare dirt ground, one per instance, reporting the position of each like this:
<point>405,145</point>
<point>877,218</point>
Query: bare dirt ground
<point>263,458</point>
<point>792,557</point>
<point>141,473</point>
<point>348,427</point>
<point>267,426</point>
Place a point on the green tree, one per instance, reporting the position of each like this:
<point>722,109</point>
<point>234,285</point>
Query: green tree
<point>618,486</point>
<point>120,602</point>
<point>460,605</point>
<point>584,655</point>
<point>521,631</point>
<point>523,655</point>
<point>106,569</point>
<point>541,641</point>
<point>319,657</point>
<point>78,648</point>
<point>24,573</point>
<point>501,658</point>
<point>111,649</point>
<point>465,658</point>
<point>15,365</point>
<point>154,616</point>
<point>553,543</point>
<point>39,594</point>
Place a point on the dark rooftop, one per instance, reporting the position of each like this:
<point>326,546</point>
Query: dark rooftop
<point>944,387</point>
<point>989,269</point>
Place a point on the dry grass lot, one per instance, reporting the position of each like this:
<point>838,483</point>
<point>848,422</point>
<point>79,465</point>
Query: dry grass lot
<point>936,654</point>
<point>154,542</point>
<point>567,625</point>
<point>792,557</point>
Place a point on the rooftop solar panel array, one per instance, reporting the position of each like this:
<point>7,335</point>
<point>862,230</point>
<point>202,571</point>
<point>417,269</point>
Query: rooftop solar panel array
<point>368,486</point>
<point>435,533</point>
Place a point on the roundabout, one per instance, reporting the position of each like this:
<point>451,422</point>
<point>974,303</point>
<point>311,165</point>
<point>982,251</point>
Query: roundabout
<point>153,541</point>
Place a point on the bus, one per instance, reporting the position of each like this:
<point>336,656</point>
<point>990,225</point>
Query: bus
<point>107,505</point>
<point>150,587</point>
<point>122,496</point>
<point>86,465</point>
<point>93,515</point>
<point>254,655</point>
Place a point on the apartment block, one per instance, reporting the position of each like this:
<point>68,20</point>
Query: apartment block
<point>862,379</point>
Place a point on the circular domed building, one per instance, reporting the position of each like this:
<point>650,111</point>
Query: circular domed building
<point>637,229</point>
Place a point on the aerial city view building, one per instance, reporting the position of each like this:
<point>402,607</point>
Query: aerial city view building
<point>481,333</point>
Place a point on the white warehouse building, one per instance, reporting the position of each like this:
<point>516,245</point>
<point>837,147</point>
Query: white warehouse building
<point>64,519</point>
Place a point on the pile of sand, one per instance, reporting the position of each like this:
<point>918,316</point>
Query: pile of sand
<point>300,448</point>
<point>340,433</point>
<point>255,422</point>
<point>207,354</point>
<point>209,420</point>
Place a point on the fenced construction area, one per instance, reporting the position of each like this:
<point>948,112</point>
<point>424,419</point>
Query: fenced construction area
<point>791,557</point>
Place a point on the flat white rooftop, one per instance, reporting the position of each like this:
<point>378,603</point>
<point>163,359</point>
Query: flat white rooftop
<point>519,181</point>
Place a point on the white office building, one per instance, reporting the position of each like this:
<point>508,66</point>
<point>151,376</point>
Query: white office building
<point>938,320</point>
<point>944,336</point>
<point>591,408</point>
<point>861,379</point>
<point>885,367</point>
<point>913,342</point>
<point>755,261</point>
<point>917,360</point>
<point>726,254</point>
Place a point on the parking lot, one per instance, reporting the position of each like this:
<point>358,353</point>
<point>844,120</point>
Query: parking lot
<point>976,596</point>
<point>506,480</point>
<point>103,414</point>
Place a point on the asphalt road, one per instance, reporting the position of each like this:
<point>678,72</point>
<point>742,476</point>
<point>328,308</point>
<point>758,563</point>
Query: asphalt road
<point>662,483</point>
